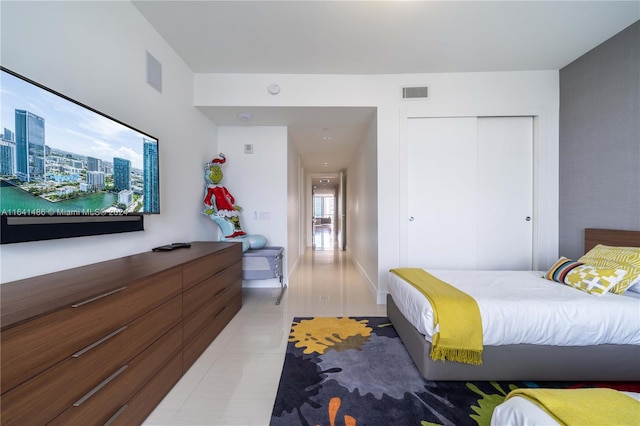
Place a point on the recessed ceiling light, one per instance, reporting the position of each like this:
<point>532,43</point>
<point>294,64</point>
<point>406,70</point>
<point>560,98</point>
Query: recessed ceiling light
<point>325,164</point>
<point>326,138</point>
<point>245,116</point>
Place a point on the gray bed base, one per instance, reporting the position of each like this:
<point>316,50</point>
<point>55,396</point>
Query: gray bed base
<point>522,362</point>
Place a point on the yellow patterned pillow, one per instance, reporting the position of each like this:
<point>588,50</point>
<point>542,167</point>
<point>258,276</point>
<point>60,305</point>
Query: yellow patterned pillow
<point>594,280</point>
<point>627,258</point>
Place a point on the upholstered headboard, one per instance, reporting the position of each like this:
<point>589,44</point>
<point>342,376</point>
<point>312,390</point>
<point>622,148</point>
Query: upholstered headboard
<point>610,237</point>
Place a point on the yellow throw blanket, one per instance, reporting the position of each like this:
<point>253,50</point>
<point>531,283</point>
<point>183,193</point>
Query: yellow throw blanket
<point>585,406</point>
<point>456,314</point>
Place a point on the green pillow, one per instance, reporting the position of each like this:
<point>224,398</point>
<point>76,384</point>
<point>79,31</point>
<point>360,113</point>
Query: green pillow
<point>627,258</point>
<point>594,280</point>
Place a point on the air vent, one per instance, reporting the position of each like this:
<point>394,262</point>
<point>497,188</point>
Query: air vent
<point>154,72</point>
<point>415,92</point>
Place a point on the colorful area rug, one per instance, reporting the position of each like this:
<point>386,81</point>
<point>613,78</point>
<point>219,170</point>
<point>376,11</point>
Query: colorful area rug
<point>355,371</point>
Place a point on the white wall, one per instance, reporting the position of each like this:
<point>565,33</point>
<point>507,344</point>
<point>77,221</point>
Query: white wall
<point>528,93</point>
<point>362,207</point>
<point>258,182</point>
<point>295,205</point>
<point>94,52</point>
<point>503,94</point>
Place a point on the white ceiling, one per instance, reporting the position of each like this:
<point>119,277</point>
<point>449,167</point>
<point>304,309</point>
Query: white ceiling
<point>374,37</point>
<point>321,134</point>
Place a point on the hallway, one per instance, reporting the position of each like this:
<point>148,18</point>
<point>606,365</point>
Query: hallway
<point>235,380</point>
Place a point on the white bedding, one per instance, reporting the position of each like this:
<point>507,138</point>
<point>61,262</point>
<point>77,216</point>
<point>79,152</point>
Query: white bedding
<point>519,411</point>
<point>520,307</point>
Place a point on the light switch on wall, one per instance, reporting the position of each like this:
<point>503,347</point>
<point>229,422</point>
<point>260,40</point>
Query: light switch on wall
<point>258,215</point>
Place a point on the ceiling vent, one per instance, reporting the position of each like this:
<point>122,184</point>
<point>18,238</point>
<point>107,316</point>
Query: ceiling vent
<point>415,92</point>
<point>324,181</point>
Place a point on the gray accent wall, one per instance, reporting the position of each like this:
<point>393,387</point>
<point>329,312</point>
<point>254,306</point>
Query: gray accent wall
<point>600,141</point>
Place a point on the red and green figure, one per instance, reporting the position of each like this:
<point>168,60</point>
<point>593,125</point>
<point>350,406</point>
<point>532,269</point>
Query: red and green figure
<point>220,206</point>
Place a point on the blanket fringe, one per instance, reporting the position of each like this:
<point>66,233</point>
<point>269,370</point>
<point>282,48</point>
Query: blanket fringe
<point>466,356</point>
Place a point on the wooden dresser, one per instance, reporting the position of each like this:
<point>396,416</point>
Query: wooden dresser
<point>104,343</point>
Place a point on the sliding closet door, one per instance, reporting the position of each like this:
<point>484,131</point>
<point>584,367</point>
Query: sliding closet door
<point>505,185</point>
<point>470,192</point>
<point>442,195</point>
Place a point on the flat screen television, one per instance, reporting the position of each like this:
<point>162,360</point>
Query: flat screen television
<point>66,165</point>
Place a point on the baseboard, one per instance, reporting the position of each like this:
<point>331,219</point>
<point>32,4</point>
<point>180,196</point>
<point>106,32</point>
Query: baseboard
<point>295,266</point>
<point>371,286</point>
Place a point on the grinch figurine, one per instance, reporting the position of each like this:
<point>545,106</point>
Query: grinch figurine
<point>220,206</point>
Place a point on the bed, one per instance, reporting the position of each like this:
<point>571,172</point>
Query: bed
<point>519,411</point>
<point>535,353</point>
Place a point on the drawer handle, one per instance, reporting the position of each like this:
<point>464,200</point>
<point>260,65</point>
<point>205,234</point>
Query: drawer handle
<point>115,416</point>
<point>218,314</point>
<point>220,292</point>
<point>100,296</point>
<point>104,383</point>
<point>98,342</point>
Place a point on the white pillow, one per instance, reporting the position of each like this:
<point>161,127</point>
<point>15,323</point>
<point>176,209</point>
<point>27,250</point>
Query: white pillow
<point>635,286</point>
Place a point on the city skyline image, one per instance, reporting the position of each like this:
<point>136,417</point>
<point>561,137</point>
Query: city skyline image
<point>71,155</point>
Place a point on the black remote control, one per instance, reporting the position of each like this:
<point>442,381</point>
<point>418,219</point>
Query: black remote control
<point>173,246</point>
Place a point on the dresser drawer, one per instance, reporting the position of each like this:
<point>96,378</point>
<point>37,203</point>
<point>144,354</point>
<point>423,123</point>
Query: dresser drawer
<point>209,330</point>
<point>198,270</point>
<point>138,408</point>
<point>210,311</point>
<point>213,287</point>
<point>100,404</point>
<point>34,346</point>
<point>48,394</point>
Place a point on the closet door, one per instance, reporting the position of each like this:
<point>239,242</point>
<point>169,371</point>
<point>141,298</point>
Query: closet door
<point>470,192</point>
<point>442,194</point>
<point>505,188</point>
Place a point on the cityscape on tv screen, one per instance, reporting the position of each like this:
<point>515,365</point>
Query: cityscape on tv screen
<point>58,157</point>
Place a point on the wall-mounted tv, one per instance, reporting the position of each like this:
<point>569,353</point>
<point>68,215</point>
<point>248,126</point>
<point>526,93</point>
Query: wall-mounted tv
<point>62,162</point>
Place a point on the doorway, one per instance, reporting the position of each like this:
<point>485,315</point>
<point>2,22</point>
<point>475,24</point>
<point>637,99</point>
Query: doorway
<point>324,220</point>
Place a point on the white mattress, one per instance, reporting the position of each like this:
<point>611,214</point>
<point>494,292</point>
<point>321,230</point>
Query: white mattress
<point>520,307</point>
<point>518,411</point>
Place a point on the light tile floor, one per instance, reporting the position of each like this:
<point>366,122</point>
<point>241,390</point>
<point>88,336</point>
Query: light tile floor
<point>235,380</point>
